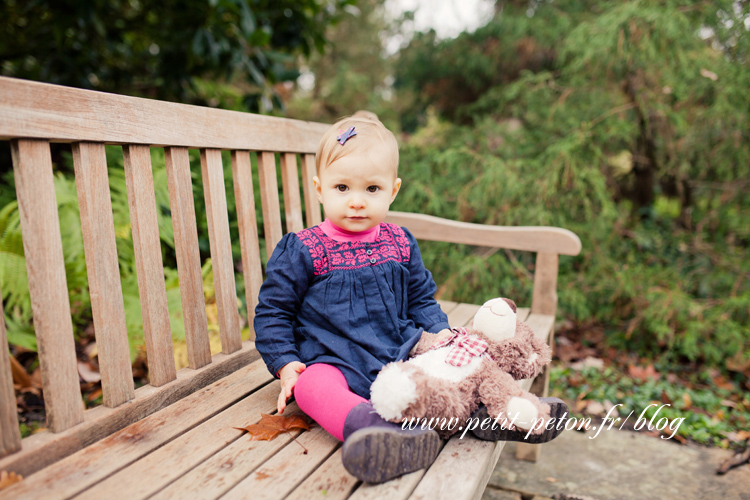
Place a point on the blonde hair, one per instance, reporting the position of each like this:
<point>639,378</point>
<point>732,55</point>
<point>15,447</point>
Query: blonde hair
<point>371,135</point>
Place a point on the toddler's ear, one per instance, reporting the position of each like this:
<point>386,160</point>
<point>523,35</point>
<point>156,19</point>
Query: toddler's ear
<point>316,182</point>
<point>396,188</point>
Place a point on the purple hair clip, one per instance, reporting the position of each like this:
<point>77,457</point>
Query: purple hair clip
<point>345,136</point>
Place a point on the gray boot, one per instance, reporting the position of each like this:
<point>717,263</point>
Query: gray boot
<point>558,411</point>
<point>376,450</point>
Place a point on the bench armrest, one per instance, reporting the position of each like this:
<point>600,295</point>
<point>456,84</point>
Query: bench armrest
<point>543,239</point>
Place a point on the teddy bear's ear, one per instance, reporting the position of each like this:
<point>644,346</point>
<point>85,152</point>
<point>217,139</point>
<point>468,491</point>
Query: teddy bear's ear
<point>511,304</point>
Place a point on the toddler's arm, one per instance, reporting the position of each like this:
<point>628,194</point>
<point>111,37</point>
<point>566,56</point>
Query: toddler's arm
<point>423,308</point>
<point>288,275</point>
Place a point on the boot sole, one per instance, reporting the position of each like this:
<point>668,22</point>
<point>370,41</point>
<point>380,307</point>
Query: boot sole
<point>376,455</point>
<point>558,411</point>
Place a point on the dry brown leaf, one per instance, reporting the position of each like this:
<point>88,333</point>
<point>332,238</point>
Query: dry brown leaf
<point>643,373</point>
<point>734,461</point>
<point>271,426</point>
<point>686,400</point>
<point>6,479</point>
<point>20,377</point>
<point>709,74</point>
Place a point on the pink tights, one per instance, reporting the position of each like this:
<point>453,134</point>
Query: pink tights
<point>322,392</point>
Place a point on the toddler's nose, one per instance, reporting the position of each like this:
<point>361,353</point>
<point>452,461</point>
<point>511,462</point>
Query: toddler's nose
<point>356,201</point>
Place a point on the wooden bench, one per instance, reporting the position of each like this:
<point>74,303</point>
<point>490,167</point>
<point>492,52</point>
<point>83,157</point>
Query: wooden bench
<point>175,437</point>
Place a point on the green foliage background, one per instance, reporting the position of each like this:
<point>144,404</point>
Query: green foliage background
<point>616,120</point>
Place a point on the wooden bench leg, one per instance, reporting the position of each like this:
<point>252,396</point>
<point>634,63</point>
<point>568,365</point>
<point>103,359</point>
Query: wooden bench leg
<point>544,301</point>
<point>540,387</point>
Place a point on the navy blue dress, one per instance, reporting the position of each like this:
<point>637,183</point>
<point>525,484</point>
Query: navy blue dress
<point>353,305</point>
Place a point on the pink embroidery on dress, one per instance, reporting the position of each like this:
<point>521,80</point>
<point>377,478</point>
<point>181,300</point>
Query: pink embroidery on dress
<point>327,254</point>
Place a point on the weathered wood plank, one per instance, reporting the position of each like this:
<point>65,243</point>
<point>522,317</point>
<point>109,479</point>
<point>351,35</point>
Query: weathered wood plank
<point>218,474</point>
<point>10,435</point>
<point>277,477</point>
<point>45,448</point>
<point>269,195</point>
<point>290,186</point>
<point>63,114</point>
<point>533,239</point>
<point>312,205</point>
<point>48,288</point>
<point>221,250</point>
<point>149,266</point>
<point>185,231</point>
<point>98,229</point>
<point>77,472</point>
<point>168,463</point>
<point>330,481</point>
<point>461,471</point>
<point>544,299</point>
<point>447,305</point>
<point>249,244</point>
<point>462,315</point>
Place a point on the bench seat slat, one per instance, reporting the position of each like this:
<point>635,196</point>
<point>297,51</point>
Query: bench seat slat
<point>107,307</point>
<point>229,466</point>
<point>45,448</point>
<point>150,269</point>
<point>330,481</point>
<point>185,231</point>
<point>248,229</point>
<point>288,468</point>
<point>312,205</point>
<point>50,303</point>
<point>221,250</point>
<point>10,435</point>
<point>168,463</point>
<point>290,185</point>
<point>81,470</point>
<point>269,195</point>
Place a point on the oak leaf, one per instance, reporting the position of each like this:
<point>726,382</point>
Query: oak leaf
<point>271,426</point>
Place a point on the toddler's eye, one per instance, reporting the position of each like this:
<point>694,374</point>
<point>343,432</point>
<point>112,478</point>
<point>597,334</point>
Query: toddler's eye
<point>341,188</point>
<point>373,189</point>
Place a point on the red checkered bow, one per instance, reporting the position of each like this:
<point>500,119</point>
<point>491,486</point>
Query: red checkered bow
<point>464,348</point>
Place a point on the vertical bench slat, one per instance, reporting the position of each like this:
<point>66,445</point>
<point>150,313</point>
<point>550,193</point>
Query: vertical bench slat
<point>312,205</point>
<point>10,435</point>
<point>221,250</point>
<point>188,256</point>
<point>98,228</point>
<point>245,202</point>
<point>290,185</point>
<point>269,195</point>
<point>145,227</point>
<point>50,303</point>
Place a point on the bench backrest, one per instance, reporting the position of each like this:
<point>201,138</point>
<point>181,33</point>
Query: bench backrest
<point>34,114</point>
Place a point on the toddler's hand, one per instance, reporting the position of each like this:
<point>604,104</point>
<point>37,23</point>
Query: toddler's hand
<point>443,335</point>
<point>288,374</point>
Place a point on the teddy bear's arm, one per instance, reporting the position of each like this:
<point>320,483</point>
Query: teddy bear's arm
<point>530,354</point>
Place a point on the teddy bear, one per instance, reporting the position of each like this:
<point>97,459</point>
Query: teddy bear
<point>473,373</point>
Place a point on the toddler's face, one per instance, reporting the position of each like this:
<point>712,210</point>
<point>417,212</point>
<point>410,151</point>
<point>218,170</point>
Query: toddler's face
<point>357,190</point>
